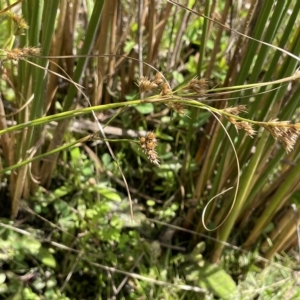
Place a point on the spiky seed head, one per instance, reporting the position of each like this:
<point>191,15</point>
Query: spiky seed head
<point>20,53</point>
<point>198,86</point>
<point>158,79</point>
<point>236,109</point>
<point>151,136</point>
<point>284,132</point>
<point>165,89</point>
<point>20,23</point>
<point>151,145</point>
<point>148,144</point>
<point>145,85</point>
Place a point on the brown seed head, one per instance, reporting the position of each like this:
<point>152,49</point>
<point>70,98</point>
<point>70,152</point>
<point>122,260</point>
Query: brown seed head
<point>198,86</point>
<point>242,125</point>
<point>177,106</point>
<point>284,132</point>
<point>247,127</point>
<point>165,89</point>
<point>151,136</point>
<point>151,145</point>
<point>148,144</point>
<point>20,53</point>
<point>19,21</point>
<point>158,78</point>
<point>235,110</point>
<point>145,84</point>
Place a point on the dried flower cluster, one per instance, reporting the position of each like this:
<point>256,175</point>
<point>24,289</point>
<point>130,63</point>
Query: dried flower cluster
<point>19,53</point>
<point>199,86</point>
<point>165,89</point>
<point>146,85</point>
<point>177,106</point>
<point>242,125</point>
<point>235,110</point>
<point>148,144</point>
<point>158,83</point>
<point>239,125</point>
<point>283,131</point>
<point>20,23</point>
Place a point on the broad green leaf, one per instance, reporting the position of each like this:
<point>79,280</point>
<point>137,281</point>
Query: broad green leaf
<point>33,246</point>
<point>62,191</point>
<point>178,77</point>
<point>3,288</point>
<point>106,159</point>
<point>47,258</point>
<point>76,155</point>
<point>129,46</point>
<point>150,202</point>
<point>110,195</point>
<point>214,279</point>
<point>2,278</point>
<point>145,108</point>
<point>81,207</point>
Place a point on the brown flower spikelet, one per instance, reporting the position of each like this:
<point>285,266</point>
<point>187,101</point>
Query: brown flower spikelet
<point>165,89</point>
<point>177,106</point>
<point>145,85</point>
<point>198,86</point>
<point>19,21</point>
<point>284,132</point>
<point>158,79</point>
<point>148,144</point>
<point>242,125</point>
<point>236,110</point>
<point>20,53</point>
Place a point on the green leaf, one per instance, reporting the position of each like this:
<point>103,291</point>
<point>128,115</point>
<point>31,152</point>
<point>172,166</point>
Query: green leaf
<point>129,46</point>
<point>178,76</point>
<point>134,27</point>
<point>81,207</point>
<point>110,195</point>
<point>76,155</point>
<point>214,279</point>
<point>33,246</point>
<point>150,202</point>
<point>106,159</point>
<point>145,108</point>
<point>3,288</point>
<point>62,191</point>
<point>47,258</point>
<point>2,278</point>
<point>163,136</point>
